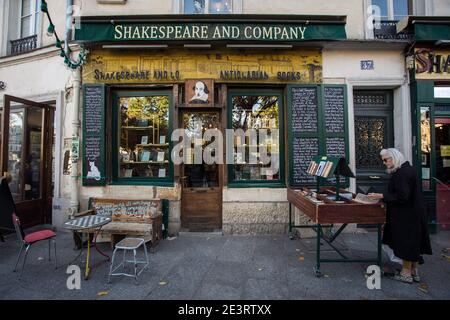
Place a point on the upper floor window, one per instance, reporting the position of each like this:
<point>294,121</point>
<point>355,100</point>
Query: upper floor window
<point>29,17</point>
<point>207,6</point>
<point>393,9</point>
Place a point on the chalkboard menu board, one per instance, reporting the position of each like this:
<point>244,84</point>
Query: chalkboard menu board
<point>334,105</point>
<point>316,126</point>
<point>304,109</point>
<point>93,135</point>
<point>303,150</point>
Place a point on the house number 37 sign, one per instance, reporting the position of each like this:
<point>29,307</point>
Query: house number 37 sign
<point>2,85</point>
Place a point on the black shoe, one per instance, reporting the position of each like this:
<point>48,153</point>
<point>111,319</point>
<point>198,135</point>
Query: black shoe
<point>421,261</point>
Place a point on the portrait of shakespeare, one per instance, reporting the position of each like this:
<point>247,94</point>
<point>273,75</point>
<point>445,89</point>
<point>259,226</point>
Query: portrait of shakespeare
<point>201,93</point>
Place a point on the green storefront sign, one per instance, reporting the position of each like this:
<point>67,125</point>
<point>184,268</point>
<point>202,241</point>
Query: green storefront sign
<point>112,31</point>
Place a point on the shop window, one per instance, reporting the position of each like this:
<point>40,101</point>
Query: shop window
<point>259,118</point>
<point>143,137</point>
<point>207,6</point>
<point>425,147</point>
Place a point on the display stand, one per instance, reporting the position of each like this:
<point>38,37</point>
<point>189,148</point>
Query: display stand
<point>327,207</point>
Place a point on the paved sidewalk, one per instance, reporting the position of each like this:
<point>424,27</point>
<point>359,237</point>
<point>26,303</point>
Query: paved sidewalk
<point>209,266</point>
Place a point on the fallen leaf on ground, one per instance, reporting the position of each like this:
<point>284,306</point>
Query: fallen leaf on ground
<point>171,238</point>
<point>301,258</point>
<point>446,257</point>
<point>102,293</point>
<point>40,258</point>
<point>423,287</point>
<point>326,276</point>
<point>162,283</point>
<point>297,250</point>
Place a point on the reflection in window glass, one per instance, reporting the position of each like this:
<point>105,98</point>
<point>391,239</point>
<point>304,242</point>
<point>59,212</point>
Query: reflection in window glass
<point>262,114</point>
<point>194,6</point>
<point>220,6</point>
<point>32,167</point>
<point>195,174</point>
<point>425,138</point>
<point>400,9</point>
<point>207,6</point>
<point>15,161</point>
<point>144,137</point>
<point>383,5</point>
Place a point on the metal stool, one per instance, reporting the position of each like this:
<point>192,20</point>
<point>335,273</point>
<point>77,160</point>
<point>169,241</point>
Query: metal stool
<point>128,244</point>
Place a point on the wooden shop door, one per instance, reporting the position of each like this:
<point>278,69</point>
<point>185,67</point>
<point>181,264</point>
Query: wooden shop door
<point>201,199</point>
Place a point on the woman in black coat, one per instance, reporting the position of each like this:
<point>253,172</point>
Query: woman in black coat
<point>405,230</point>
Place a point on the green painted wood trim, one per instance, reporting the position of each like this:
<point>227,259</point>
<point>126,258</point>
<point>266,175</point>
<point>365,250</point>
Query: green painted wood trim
<point>168,180</point>
<point>230,167</point>
<point>431,32</point>
<point>101,31</point>
<point>102,158</point>
<point>321,133</point>
<point>425,91</point>
<point>344,134</point>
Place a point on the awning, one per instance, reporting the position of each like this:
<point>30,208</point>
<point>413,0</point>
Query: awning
<point>426,28</point>
<point>211,28</point>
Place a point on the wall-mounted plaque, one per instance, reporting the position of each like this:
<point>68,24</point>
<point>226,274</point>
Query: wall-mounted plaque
<point>199,93</point>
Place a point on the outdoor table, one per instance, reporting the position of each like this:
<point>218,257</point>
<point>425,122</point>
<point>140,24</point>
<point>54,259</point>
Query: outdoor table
<point>85,225</point>
<point>325,213</point>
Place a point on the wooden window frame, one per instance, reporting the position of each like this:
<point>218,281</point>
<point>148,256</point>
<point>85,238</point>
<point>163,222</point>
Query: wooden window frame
<point>148,181</point>
<point>280,182</point>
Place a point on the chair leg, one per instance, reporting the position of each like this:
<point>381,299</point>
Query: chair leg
<point>146,256</point>
<point>124,257</point>
<point>24,259</point>
<point>18,257</point>
<point>135,266</point>
<point>112,265</point>
<point>54,244</point>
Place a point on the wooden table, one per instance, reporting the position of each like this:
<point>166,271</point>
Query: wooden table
<point>325,212</point>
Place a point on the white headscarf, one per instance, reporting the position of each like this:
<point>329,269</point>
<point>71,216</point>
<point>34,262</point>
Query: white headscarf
<point>397,158</point>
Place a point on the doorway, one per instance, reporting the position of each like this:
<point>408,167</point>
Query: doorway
<point>442,139</point>
<point>374,131</point>
<point>26,156</point>
<point>201,198</point>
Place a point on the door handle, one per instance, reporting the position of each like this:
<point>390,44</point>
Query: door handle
<point>374,177</point>
<point>201,191</point>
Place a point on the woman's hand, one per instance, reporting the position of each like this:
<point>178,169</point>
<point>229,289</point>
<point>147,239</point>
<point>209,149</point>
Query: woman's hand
<point>375,196</point>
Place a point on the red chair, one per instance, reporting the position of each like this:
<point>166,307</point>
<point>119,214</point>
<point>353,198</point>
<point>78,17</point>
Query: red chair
<point>31,238</point>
